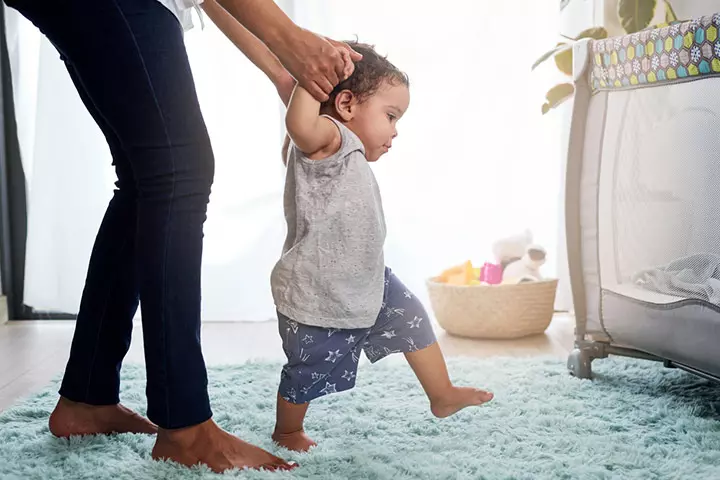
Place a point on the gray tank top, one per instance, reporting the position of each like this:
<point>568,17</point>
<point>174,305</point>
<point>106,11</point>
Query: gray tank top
<point>332,270</point>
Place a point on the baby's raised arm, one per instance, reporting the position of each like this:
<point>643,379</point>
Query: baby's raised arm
<point>315,135</point>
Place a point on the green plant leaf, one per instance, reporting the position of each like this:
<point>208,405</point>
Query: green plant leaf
<point>564,61</point>
<point>563,50</point>
<point>559,48</point>
<point>669,13</point>
<point>557,95</point>
<point>597,33</point>
<point>636,15</point>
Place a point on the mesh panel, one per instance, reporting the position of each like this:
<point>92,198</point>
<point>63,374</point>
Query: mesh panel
<point>659,200</point>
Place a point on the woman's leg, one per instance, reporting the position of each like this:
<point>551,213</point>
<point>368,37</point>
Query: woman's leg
<point>109,302</point>
<point>130,58</point>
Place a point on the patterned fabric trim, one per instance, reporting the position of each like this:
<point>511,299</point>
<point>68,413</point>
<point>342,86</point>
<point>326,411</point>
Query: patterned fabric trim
<point>670,53</point>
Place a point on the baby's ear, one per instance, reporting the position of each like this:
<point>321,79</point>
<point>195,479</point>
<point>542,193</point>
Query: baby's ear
<point>345,103</point>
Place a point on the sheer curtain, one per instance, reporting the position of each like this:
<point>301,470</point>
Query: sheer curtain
<point>474,159</point>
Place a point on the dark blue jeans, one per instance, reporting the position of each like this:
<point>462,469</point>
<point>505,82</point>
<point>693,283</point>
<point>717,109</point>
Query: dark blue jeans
<point>128,61</point>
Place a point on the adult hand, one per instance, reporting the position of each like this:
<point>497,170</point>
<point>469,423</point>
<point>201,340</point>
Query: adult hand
<point>317,63</point>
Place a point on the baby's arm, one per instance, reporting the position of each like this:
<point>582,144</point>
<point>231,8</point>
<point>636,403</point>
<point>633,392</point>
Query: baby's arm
<point>316,136</point>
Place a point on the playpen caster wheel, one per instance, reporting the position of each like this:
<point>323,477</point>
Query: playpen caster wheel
<point>579,364</point>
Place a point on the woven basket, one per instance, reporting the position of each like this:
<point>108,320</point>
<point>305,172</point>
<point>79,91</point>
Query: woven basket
<point>493,311</point>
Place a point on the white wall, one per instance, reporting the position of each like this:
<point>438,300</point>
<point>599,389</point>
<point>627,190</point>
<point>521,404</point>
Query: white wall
<point>579,15</point>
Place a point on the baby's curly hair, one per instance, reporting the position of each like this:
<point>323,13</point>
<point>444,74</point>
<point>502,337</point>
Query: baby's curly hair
<point>368,76</point>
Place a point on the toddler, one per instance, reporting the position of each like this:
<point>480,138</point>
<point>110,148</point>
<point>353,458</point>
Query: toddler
<point>334,295</point>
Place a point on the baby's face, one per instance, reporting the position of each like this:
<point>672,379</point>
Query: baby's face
<point>375,122</point>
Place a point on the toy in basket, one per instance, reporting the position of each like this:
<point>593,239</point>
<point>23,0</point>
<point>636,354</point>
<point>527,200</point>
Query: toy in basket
<point>505,299</point>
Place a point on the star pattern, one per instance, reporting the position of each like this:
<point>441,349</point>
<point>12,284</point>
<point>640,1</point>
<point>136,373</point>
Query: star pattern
<point>329,388</point>
<point>371,353</point>
<point>415,323</point>
<point>389,352</point>
<point>411,343</point>
<point>389,312</point>
<point>293,325</point>
<point>318,376</point>
<point>304,357</point>
<point>333,356</point>
<point>389,334</point>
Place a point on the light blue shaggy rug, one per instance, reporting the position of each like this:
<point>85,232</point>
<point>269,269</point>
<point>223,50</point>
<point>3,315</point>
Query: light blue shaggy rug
<point>636,420</point>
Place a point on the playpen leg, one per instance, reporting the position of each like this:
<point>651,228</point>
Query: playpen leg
<point>579,363</point>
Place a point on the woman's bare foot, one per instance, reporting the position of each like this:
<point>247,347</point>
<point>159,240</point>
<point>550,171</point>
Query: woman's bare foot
<point>208,444</point>
<point>72,418</point>
<point>458,398</point>
<point>296,441</point>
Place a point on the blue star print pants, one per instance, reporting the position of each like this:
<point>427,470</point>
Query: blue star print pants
<point>325,360</point>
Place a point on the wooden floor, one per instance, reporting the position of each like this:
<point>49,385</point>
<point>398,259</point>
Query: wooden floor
<point>33,352</point>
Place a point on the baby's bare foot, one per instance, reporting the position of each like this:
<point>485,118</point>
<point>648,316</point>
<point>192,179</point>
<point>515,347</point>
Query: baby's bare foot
<point>457,398</point>
<point>208,444</point>
<point>296,441</point>
<point>72,418</point>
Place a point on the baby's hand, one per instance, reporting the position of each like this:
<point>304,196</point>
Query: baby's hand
<point>348,55</point>
<point>349,65</point>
